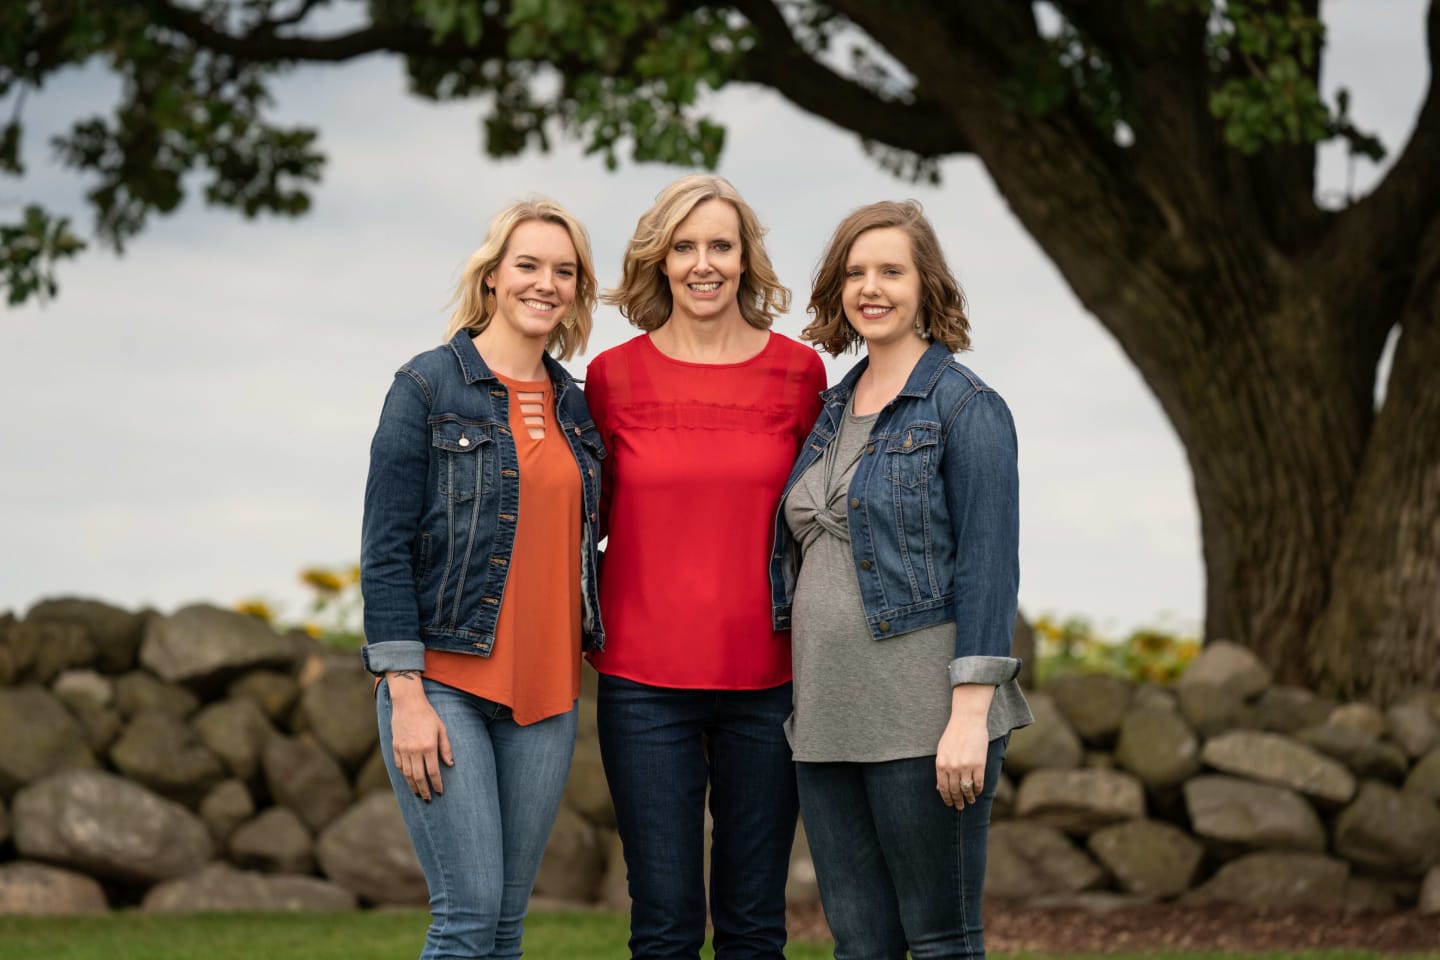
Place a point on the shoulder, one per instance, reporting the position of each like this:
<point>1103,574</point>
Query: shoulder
<point>965,399</point>
<point>430,366</point>
<point>627,352</point>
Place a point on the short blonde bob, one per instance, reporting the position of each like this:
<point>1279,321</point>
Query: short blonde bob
<point>942,303</point>
<point>643,295</point>
<point>473,312</point>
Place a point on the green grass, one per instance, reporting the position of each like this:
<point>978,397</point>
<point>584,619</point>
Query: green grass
<point>377,935</point>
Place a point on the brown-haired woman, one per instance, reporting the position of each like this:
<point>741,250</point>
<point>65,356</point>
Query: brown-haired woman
<point>895,564</point>
<point>703,414</point>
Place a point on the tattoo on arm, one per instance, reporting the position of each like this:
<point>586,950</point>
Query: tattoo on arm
<point>404,674</point>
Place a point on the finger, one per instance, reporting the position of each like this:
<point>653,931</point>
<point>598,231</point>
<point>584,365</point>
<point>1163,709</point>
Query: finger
<point>446,753</point>
<point>432,771</point>
<point>944,786</point>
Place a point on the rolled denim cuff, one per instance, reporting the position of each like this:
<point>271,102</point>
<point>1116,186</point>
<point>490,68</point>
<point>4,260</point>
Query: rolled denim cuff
<point>990,670</point>
<point>381,658</point>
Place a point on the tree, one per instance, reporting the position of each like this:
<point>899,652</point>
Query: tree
<point>1162,152</point>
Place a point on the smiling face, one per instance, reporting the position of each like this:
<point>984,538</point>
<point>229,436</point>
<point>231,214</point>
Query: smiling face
<point>705,263</point>
<point>882,286</point>
<point>534,284</point>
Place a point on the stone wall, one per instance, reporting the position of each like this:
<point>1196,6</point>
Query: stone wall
<point>201,761</point>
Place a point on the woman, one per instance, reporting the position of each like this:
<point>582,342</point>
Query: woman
<point>478,571</point>
<point>897,545</point>
<point>703,414</point>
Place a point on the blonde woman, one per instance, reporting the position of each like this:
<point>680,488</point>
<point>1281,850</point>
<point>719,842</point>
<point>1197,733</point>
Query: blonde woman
<point>478,570</point>
<point>896,565</point>
<point>703,413</point>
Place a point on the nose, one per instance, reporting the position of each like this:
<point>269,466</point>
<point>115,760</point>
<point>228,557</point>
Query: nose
<point>702,264</point>
<point>869,285</point>
<point>545,280</point>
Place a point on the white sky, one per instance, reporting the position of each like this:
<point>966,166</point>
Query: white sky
<point>192,420</point>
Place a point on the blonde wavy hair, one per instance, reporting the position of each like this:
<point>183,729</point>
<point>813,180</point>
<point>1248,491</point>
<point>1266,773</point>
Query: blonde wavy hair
<point>942,302</point>
<point>473,313</point>
<point>643,295</point>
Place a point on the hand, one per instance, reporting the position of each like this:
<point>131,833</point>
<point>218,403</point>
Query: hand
<point>418,738</point>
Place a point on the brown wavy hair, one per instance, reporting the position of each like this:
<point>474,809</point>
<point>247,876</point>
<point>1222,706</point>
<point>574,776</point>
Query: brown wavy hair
<point>643,294</point>
<point>942,302</point>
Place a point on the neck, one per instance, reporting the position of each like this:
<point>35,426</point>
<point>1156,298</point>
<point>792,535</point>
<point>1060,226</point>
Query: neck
<point>889,367</point>
<point>507,353</point>
<point>725,339</point>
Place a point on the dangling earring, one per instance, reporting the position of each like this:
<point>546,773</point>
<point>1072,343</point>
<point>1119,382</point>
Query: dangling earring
<point>571,320</point>
<point>489,301</point>
<point>921,329</point>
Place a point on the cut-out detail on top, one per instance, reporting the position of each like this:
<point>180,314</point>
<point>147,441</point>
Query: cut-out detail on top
<point>532,409</point>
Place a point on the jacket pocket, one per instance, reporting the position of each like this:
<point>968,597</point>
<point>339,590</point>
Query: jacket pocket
<point>459,449</point>
<point>911,455</point>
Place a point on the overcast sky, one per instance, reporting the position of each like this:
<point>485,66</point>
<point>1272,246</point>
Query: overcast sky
<point>192,421</point>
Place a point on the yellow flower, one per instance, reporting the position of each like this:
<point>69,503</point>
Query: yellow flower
<point>325,581</point>
<point>256,608</point>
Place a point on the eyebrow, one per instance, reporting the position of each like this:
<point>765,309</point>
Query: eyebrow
<point>897,266</point>
<point>531,256</point>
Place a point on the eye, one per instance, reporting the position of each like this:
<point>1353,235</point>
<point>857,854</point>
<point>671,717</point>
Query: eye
<point>566,272</point>
<point>525,265</point>
<point>893,271</point>
<point>722,246</point>
<point>683,247</point>
<point>852,274</point>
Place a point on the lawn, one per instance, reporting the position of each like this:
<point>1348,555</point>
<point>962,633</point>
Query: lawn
<point>375,935</point>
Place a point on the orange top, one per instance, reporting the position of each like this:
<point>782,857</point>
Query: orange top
<point>534,667</point>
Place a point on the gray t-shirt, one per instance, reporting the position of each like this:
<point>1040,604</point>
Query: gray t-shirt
<point>858,699</point>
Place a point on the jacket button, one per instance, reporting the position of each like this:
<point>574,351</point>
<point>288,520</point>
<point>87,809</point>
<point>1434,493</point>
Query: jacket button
<point>591,471</point>
<point>577,431</point>
<point>884,625</point>
<point>864,564</point>
<point>854,503</point>
<point>593,518</point>
<point>464,441</point>
<point>870,448</point>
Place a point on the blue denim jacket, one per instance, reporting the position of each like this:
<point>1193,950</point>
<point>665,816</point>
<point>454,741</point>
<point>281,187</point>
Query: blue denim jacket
<point>441,503</point>
<point>934,515</point>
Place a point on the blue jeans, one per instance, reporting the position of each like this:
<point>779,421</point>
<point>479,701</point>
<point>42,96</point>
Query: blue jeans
<point>480,842</point>
<point>896,867</point>
<point>660,746</point>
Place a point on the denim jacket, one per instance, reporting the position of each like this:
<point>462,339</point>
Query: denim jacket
<point>933,513</point>
<point>441,504</point>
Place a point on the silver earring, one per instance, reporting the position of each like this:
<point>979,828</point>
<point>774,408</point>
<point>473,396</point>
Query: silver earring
<point>922,330</point>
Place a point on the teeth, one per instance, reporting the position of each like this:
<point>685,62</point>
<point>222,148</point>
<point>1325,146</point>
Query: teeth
<point>539,305</point>
<point>874,311</point>
<point>705,287</point>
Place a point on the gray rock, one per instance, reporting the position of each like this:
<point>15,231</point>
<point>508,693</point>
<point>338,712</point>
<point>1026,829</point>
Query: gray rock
<point>164,754</point>
<point>574,861</point>
<point>5,827</point>
<point>1367,756</point>
<point>368,852</point>
<point>138,691</point>
<point>1429,903</point>
<point>100,725</point>
<point>1278,759</point>
<point>374,776</point>
<point>220,888</point>
<point>38,888</point>
<point>1149,858</point>
<point>109,827</point>
<point>225,807</point>
<point>1367,895</point>
<point>1211,708</point>
<point>1389,829</point>
<point>114,632</point>
<point>1079,801</point>
<point>1284,709</point>
<point>1361,716</point>
<point>1028,860</point>
<point>1093,703</point>
<point>587,792</point>
<point>339,710</point>
<point>83,689</point>
<point>1278,881</point>
<point>1414,724</point>
<point>204,646</point>
<point>1235,811</point>
<point>1229,665</point>
<point>1154,695</point>
<point>1424,778</point>
<point>274,842</point>
<point>235,730</point>
<point>303,777</point>
<point>273,692</point>
<point>53,648</point>
<point>1157,745</point>
<point>39,738</point>
<point>1048,742</point>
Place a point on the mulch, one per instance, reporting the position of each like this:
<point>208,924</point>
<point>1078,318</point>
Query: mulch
<point>1134,929</point>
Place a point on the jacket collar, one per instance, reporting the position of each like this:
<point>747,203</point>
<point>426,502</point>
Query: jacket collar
<point>921,381</point>
<point>474,368</point>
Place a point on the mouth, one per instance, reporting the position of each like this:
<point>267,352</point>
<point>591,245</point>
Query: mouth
<point>872,311</point>
<point>707,287</point>
<point>539,305</point>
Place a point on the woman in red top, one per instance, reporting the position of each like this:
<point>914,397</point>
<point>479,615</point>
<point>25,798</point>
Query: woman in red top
<point>702,416</point>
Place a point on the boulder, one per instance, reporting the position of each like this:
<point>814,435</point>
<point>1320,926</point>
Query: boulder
<point>1212,708</point>
<point>1284,709</point>
<point>1151,694</point>
<point>203,646</point>
<point>374,775</point>
<point>39,737</point>
<point>303,777</point>
<point>114,632</point>
<point>1229,665</point>
<point>367,851</point>
<point>38,888</point>
<point>274,842</point>
<point>81,689</point>
<point>1094,704</point>
<point>1029,860</point>
<point>1429,902</point>
<point>574,861</point>
<point>220,888</point>
<point>1389,829</point>
<point>1424,778</point>
<point>225,807</point>
<point>1368,895</point>
<point>1158,745</point>
<point>273,692</point>
<point>586,791</point>
<point>1048,742</point>
<point>138,691</point>
<point>1278,759</point>
<point>1079,801</point>
<point>52,648</point>
<point>235,730</point>
<point>164,754</point>
<point>1241,812</point>
<point>1149,858</point>
<point>1414,723</point>
<point>1278,881</point>
<point>338,709</point>
<point>1361,716</point>
<point>1367,756</point>
<point>108,826</point>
